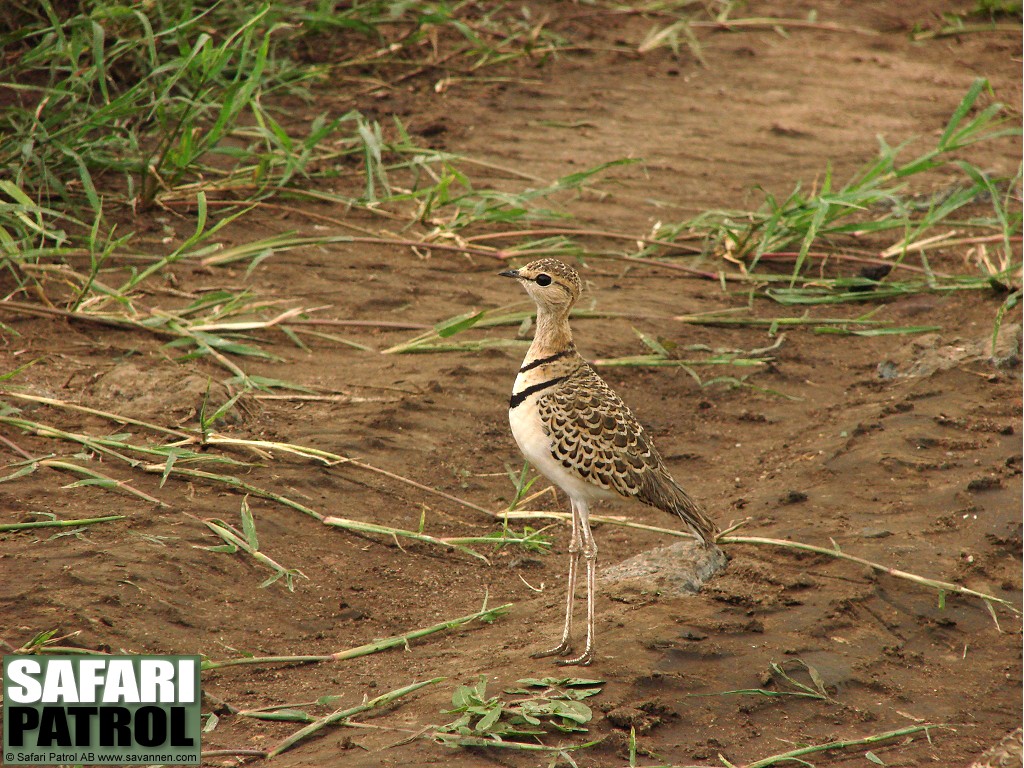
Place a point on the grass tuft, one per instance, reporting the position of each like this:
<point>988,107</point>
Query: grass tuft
<point>247,541</point>
<point>871,203</point>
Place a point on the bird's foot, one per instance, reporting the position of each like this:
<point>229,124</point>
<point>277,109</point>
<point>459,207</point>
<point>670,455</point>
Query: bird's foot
<point>583,660</point>
<point>561,649</point>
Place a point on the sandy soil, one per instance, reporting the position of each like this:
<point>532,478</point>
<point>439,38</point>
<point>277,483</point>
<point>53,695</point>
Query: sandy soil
<point>904,450</point>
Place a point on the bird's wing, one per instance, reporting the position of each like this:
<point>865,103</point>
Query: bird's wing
<point>595,436</point>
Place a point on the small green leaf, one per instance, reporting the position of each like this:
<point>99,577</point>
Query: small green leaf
<point>653,344</point>
<point>19,369</point>
<point>249,525</point>
<point>461,697</point>
<point>172,455</point>
<point>211,723</point>
<point>573,710</point>
<point>455,325</point>
<point>574,681</point>
<point>582,693</point>
<point>26,470</point>
<point>227,548</point>
<point>273,578</point>
<point>487,721</point>
<point>287,715</point>
<point>102,482</point>
<point>480,690</point>
<point>816,678</point>
<point>555,682</point>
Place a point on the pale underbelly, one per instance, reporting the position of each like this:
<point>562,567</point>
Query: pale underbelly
<point>536,447</point>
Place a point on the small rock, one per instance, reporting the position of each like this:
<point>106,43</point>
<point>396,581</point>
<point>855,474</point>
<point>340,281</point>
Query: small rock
<point>875,533</point>
<point>525,562</point>
<point>631,717</point>
<point>693,635</point>
<point>802,581</point>
<point>756,418</point>
<point>987,483</point>
<point>677,569</point>
<point>349,613</point>
<point>1007,351</point>
<point>887,371</point>
<point>875,271</point>
<point>790,131</point>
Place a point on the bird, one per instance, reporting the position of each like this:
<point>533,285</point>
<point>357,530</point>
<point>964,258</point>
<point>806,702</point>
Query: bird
<point>577,432</point>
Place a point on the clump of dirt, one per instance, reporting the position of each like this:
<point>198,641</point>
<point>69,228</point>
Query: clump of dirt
<point>161,395</point>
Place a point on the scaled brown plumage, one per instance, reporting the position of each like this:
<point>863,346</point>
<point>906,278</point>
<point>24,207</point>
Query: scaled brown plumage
<point>596,437</point>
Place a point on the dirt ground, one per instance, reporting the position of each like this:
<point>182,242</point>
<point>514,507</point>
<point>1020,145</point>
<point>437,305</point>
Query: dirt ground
<point>904,450</point>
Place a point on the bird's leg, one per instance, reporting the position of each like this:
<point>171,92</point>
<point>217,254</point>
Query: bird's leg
<point>575,546</point>
<point>590,557</point>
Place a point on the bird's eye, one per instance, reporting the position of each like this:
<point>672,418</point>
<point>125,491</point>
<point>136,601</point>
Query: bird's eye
<point>543,279</point>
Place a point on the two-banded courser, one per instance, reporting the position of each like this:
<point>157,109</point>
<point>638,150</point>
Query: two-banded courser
<point>579,434</point>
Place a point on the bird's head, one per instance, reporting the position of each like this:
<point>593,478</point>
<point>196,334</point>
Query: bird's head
<point>553,285</point>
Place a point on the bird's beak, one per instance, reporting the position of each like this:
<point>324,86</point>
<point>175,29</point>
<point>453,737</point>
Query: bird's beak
<point>509,273</point>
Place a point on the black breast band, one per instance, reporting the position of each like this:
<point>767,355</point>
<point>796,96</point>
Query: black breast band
<point>518,398</point>
<point>549,359</point>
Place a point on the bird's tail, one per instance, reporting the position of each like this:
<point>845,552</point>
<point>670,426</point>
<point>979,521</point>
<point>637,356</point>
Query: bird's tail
<point>671,497</point>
